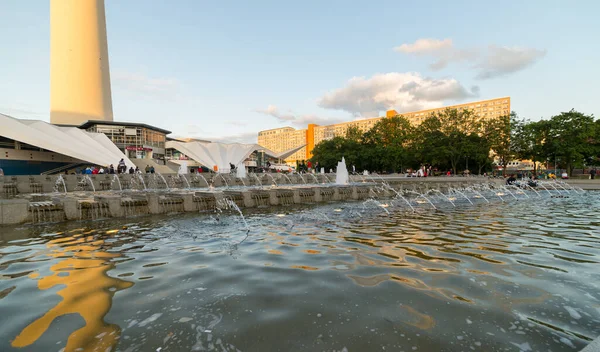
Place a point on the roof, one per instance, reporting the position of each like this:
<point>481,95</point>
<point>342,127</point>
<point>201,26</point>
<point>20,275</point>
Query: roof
<point>91,123</point>
<point>221,154</point>
<point>94,148</point>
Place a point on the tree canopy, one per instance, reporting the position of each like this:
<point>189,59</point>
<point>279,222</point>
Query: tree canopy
<point>456,139</point>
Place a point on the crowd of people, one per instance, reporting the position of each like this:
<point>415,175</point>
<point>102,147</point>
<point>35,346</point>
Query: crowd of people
<point>120,169</point>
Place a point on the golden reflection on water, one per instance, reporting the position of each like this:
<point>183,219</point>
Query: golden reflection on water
<point>87,291</point>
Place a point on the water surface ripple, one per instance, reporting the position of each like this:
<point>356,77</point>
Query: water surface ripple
<point>519,275</point>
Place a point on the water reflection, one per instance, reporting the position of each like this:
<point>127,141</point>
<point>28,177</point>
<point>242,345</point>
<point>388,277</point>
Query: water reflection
<point>488,276</point>
<point>88,291</point>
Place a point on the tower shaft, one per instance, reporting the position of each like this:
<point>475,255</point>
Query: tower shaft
<point>79,70</point>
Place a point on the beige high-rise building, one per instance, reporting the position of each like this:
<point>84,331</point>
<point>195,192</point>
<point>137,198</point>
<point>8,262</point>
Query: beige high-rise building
<point>285,138</point>
<point>79,71</point>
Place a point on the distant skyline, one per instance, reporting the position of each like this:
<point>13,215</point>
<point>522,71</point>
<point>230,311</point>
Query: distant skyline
<point>224,71</point>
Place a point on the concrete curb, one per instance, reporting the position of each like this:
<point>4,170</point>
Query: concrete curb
<point>594,346</point>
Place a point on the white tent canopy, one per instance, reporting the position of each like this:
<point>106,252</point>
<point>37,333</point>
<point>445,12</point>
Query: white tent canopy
<point>211,154</point>
<point>94,148</point>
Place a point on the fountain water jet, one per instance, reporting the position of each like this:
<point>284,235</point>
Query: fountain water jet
<point>116,178</point>
<point>60,180</point>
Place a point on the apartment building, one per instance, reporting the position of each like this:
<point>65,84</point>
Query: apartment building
<point>285,138</point>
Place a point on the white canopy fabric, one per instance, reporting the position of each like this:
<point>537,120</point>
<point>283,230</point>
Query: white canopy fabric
<point>215,154</point>
<point>94,148</point>
<point>211,154</point>
<point>286,153</point>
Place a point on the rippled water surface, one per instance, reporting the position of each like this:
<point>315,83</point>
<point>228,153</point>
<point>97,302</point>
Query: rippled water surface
<point>517,275</point>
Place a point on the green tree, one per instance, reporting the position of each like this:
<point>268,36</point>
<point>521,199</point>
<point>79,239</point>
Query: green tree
<point>443,137</point>
<point>571,138</point>
<point>498,133</point>
<point>387,144</point>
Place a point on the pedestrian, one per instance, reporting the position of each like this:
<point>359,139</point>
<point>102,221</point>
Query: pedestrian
<point>111,169</point>
<point>151,169</point>
<point>131,170</point>
<point>95,171</point>
<point>309,166</point>
<point>147,169</point>
<point>137,170</point>
<point>101,171</point>
<point>122,166</point>
<point>593,174</point>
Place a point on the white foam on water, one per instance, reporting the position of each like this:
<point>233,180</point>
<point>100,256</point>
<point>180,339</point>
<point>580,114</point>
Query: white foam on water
<point>524,347</point>
<point>150,319</point>
<point>572,312</point>
<point>185,320</point>
<point>567,342</point>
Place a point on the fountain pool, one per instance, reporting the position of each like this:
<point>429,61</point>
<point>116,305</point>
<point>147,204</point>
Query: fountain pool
<point>516,275</point>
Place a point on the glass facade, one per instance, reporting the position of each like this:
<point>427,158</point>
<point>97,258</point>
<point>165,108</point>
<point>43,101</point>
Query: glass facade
<point>135,141</point>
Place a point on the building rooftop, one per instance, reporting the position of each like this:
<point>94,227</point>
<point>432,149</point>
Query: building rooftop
<point>91,123</point>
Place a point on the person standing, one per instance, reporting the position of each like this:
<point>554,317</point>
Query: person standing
<point>147,169</point>
<point>151,169</point>
<point>309,166</point>
<point>593,174</point>
<point>122,167</point>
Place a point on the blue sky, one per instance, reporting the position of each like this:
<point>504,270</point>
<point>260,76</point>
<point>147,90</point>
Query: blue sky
<point>225,70</point>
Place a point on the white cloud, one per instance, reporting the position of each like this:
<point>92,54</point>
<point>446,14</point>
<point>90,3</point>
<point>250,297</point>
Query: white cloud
<point>425,46</point>
<point>501,61</point>
<point>297,120</point>
<point>490,62</point>
<point>403,92</point>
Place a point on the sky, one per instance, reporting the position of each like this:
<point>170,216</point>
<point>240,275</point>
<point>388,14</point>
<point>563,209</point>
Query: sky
<point>225,70</point>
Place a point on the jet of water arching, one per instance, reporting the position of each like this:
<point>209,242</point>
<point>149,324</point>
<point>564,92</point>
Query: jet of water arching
<point>542,184</point>
<point>185,179</point>
<point>445,196</point>
<point>60,180</point>
<point>116,178</point>
<point>258,179</point>
<point>568,186</point>
<point>163,179</point>
<point>313,176</point>
<point>231,205</point>
<point>381,178</point>
<point>302,178</point>
<point>478,193</point>
<point>398,194</point>
<point>419,195</point>
<point>272,178</point>
<point>373,201</point>
<point>224,180</point>
<point>89,180</point>
<point>509,192</point>
<point>531,188</point>
<point>141,178</point>
<point>559,184</point>
<point>286,176</point>
<point>463,195</point>
<point>519,190</point>
<point>205,181</point>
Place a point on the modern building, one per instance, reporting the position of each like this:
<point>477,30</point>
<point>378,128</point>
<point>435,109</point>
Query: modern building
<point>136,140</point>
<point>284,138</point>
<point>79,71</point>
<point>484,109</point>
<point>31,147</point>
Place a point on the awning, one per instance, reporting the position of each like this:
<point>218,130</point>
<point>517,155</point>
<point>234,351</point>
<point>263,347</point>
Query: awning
<point>211,154</point>
<point>94,148</point>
